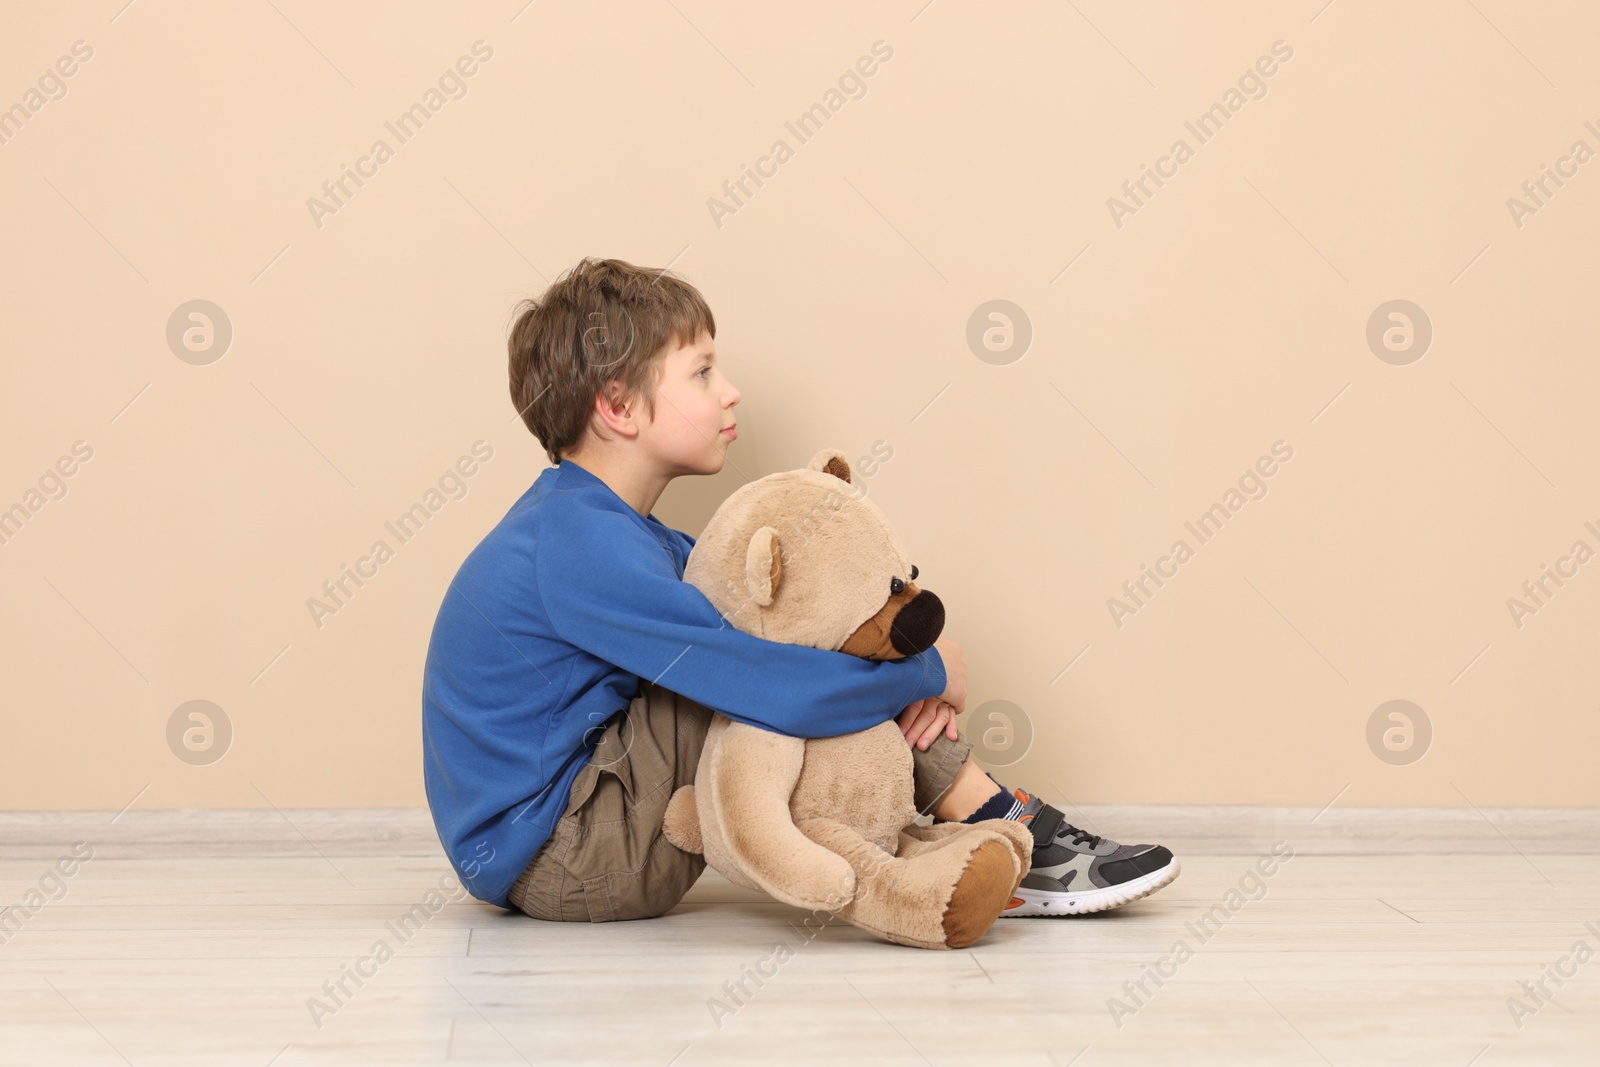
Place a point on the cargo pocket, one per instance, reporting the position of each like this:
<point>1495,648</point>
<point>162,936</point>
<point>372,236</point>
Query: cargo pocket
<point>582,790</point>
<point>610,757</point>
<point>612,754</point>
<point>597,898</point>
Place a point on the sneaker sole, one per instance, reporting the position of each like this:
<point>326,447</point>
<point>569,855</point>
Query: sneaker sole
<point>1033,902</point>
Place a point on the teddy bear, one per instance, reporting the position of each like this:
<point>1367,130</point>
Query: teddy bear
<point>828,824</point>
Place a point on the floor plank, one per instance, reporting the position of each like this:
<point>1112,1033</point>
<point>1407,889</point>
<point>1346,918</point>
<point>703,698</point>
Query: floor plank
<point>207,938</point>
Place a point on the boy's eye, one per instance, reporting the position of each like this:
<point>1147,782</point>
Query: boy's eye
<point>703,370</point>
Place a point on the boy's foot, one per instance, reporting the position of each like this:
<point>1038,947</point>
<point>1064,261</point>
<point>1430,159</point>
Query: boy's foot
<point>1075,872</point>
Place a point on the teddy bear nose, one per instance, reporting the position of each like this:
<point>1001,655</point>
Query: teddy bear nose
<point>918,625</point>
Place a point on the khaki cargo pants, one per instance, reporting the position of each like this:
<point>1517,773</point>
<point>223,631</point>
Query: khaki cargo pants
<point>608,858</point>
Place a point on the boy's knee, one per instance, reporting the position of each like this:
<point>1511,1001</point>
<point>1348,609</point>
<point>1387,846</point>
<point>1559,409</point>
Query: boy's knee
<point>934,769</point>
<point>942,756</point>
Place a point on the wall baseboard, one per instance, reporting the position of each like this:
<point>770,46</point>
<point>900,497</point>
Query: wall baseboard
<point>1189,830</point>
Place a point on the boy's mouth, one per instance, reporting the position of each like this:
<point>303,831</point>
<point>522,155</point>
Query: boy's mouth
<point>732,432</point>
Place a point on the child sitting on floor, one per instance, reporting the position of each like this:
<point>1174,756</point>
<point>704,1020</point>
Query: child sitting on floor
<point>571,671</point>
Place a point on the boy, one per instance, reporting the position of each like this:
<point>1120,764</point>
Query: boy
<point>573,610</point>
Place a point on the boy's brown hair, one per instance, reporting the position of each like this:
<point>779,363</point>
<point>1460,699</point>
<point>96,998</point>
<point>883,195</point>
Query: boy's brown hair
<point>603,320</point>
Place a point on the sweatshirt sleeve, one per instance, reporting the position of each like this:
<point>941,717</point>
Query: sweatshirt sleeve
<point>615,593</point>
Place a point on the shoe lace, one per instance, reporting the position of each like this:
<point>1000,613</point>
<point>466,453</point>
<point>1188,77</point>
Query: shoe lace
<point>1079,837</point>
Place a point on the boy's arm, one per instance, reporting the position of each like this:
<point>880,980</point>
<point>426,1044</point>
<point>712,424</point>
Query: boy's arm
<point>623,602</point>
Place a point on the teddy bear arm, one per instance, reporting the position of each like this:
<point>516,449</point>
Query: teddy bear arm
<point>752,776</point>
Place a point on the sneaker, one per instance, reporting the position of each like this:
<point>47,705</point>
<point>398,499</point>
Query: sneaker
<point>1075,872</point>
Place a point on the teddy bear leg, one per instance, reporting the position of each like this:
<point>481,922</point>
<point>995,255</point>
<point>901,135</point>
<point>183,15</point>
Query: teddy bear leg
<point>947,897</point>
<point>1019,835</point>
<point>916,839</point>
<point>982,894</point>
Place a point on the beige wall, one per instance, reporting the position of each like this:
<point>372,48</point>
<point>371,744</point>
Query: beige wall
<point>1171,347</point>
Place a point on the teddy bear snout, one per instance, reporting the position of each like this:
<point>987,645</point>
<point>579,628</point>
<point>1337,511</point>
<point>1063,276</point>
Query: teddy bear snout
<point>918,625</point>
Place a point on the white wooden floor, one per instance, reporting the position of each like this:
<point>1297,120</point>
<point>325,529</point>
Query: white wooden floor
<point>1391,937</point>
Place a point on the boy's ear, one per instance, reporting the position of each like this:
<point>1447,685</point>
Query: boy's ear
<point>611,402</point>
<point>763,566</point>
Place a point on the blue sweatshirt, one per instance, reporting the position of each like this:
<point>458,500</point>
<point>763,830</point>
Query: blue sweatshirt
<point>546,632</point>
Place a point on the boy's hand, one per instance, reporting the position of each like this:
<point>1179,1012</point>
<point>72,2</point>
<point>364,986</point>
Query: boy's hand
<point>922,721</point>
<point>955,674</point>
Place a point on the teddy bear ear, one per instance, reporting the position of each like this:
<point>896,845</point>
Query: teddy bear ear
<point>831,461</point>
<point>763,566</point>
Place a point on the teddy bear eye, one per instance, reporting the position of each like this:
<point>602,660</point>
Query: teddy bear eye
<point>896,587</point>
<point>913,572</point>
